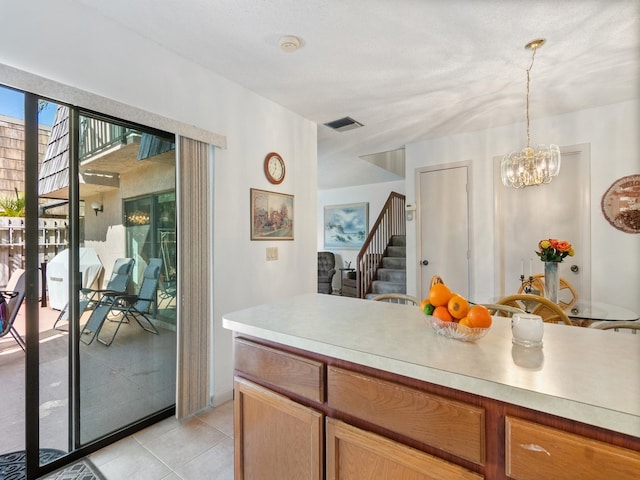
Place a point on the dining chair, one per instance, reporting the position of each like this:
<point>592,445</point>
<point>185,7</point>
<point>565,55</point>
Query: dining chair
<point>633,326</point>
<point>567,294</point>
<point>502,310</point>
<point>537,305</point>
<point>400,298</point>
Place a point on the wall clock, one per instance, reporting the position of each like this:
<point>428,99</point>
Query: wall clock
<point>274,168</point>
<point>621,204</point>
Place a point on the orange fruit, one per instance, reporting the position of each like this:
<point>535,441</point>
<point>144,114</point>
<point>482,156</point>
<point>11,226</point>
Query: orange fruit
<point>458,306</point>
<point>439,295</point>
<point>479,316</point>
<point>424,303</point>
<point>443,314</point>
<point>465,321</point>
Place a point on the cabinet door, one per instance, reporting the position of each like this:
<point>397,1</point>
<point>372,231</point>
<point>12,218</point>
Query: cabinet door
<point>275,438</point>
<point>354,454</point>
<point>536,451</point>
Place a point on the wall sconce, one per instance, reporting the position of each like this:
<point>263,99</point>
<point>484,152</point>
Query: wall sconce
<point>97,207</point>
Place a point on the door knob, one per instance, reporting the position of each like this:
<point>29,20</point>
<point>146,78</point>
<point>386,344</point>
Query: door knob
<point>425,262</point>
<point>575,268</point>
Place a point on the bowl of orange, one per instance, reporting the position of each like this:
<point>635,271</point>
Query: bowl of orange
<point>451,315</point>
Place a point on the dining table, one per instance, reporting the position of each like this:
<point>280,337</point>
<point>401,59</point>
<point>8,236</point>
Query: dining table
<point>584,312</point>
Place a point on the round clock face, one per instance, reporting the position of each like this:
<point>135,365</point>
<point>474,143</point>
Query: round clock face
<point>621,204</point>
<point>274,168</point>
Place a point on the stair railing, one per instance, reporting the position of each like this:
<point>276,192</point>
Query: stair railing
<point>390,222</point>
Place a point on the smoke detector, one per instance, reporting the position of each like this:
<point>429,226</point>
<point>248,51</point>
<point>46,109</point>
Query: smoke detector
<point>289,43</point>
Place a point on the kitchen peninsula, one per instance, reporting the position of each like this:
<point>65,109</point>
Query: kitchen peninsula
<point>342,386</point>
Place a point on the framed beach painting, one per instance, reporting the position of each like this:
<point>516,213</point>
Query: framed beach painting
<point>346,226</point>
<point>271,215</point>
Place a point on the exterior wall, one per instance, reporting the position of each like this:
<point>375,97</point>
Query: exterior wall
<point>105,231</point>
<point>12,154</point>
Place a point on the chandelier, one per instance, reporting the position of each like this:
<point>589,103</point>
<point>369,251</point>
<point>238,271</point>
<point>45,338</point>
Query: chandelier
<point>530,166</point>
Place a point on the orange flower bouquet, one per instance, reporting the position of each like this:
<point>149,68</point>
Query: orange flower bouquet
<point>552,250</point>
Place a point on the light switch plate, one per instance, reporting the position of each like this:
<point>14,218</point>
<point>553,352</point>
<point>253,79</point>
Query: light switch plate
<point>272,253</point>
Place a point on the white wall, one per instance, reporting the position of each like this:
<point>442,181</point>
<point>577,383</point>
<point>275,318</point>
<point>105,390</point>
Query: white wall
<point>376,194</point>
<point>611,131</point>
<point>98,56</point>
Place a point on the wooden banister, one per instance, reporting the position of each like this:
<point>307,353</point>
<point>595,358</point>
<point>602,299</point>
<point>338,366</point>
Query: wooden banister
<point>390,222</point>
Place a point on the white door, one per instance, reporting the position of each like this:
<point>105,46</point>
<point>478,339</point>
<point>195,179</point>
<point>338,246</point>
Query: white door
<point>558,210</point>
<point>444,228</point>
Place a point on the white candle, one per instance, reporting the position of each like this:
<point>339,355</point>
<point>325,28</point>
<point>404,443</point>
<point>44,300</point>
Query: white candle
<point>531,267</point>
<point>521,267</point>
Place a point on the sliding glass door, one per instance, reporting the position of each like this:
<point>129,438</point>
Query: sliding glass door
<point>97,365</point>
<point>127,350</point>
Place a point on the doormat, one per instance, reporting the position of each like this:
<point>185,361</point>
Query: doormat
<point>82,470</point>
<point>13,467</point>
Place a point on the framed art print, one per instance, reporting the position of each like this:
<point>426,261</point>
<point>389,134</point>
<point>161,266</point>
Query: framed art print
<point>271,215</point>
<point>346,226</point>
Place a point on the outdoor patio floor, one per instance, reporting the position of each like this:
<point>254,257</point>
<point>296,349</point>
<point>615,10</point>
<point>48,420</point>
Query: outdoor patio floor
<point>132,378</point>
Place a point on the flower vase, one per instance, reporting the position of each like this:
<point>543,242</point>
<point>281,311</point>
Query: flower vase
<point>551,281</point>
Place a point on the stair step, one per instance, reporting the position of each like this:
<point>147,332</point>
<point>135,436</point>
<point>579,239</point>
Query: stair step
<point>379,286</point>
<point>399,240</point>
<point>392,275</point>
<point>399,263</point>
<point>396,251</point>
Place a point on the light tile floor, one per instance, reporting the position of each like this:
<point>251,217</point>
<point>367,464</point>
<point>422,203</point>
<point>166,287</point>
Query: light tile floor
<point>199,447</point>
<point>196,448</point>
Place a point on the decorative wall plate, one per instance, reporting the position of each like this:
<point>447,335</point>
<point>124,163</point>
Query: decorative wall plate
<point>621,204</point>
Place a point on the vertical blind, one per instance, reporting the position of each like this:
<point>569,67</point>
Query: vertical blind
<point>194,289</point>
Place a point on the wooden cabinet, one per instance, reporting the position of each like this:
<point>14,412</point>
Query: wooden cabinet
<point>354,454</point>
<point>380,425</point>
<point>293,373</point>
<point>275,438</point>
<point>452,426</point>
<point>534,451</point>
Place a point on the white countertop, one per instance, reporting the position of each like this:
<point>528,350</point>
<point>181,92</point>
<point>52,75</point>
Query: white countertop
<point>588,375</point>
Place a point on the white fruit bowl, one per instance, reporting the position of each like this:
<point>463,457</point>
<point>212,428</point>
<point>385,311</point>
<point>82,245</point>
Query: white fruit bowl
<point>456,331</point>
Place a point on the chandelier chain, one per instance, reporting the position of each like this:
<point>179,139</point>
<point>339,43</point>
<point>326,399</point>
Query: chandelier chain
<point>533,56</point>
<point>530,166</point>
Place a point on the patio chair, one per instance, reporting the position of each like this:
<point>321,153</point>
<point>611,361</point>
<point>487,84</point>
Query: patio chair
<point>119,308</point>
<point>12,299</point>
<point>117,284</point>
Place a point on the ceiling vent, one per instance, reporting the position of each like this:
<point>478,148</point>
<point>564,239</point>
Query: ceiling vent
<point>343,124</point>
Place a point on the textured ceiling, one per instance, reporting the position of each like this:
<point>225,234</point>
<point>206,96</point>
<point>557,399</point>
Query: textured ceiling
<point>406,69</point>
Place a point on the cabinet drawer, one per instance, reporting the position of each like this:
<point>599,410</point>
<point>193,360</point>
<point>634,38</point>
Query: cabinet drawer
<point>293,373</point>
<point>534,451</point>
<point>449,425</point>
<point>355,454</point>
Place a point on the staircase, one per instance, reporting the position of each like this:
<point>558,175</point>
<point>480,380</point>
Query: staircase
<point>381,251</point>
<point>391,277</point>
